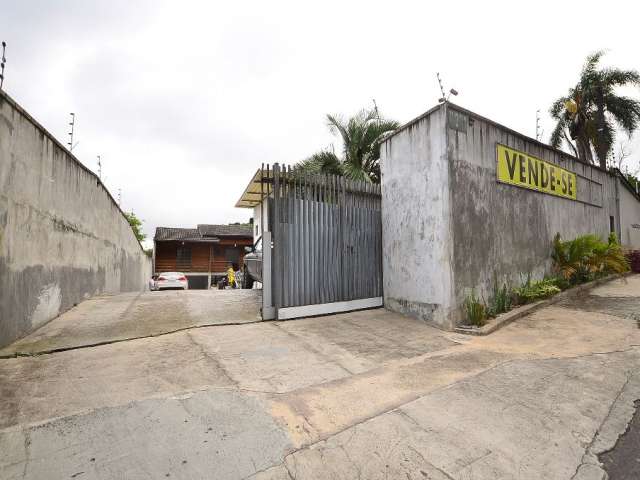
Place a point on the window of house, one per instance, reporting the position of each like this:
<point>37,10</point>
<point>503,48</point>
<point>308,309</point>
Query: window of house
<point>183,257</point>
<point>612,224</point>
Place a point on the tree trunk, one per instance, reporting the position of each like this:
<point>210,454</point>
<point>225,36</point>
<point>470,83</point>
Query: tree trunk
<point>602,149</point>
<point>584,149</point>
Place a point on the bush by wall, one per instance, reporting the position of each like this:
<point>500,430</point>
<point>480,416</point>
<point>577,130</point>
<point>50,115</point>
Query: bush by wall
<point>576,261</point>
<point>587,257</point>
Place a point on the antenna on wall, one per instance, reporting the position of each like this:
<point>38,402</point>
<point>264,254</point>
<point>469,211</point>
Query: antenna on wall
<point>3,60</point>
<point>73,124</point>
<point>99,168</point>
<point>445,98</point>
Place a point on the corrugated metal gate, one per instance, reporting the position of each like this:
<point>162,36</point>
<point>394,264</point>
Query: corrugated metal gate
<point>327,244</point>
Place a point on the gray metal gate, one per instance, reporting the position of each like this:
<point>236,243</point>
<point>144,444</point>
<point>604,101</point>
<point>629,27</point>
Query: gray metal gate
<point>327,244</point>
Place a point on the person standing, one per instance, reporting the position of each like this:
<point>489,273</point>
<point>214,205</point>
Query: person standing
<point>231,277</point>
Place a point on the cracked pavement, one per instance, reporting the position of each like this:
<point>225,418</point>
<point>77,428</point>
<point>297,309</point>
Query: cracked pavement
<point>367,395</point>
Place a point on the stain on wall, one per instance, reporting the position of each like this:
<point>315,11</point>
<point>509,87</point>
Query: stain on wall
<point>63,238</point>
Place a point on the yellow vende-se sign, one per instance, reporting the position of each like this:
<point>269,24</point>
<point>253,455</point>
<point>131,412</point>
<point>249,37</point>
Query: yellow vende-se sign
<point>518,168</point>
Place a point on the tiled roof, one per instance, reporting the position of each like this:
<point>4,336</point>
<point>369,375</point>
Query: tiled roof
<point>204,233</point>
<point>225,230</point>
<point>168,233</point>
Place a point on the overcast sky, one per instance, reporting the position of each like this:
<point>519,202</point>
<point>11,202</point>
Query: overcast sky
<point>184,100</point>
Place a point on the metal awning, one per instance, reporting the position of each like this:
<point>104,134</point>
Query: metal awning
<point>258,188</point>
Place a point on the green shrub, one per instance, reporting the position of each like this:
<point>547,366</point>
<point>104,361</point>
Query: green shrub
<point>475,309</point>
<point>560,282</point>
<point>587,257</point>
<point>532,291</point>
<point>501,299</point>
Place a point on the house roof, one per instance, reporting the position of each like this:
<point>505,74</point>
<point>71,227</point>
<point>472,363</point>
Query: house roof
<point>169,233</point>
<point>225,230</point>
<point>204,233</point>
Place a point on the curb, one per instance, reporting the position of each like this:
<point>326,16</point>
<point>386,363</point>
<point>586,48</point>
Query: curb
<point>506,318</point>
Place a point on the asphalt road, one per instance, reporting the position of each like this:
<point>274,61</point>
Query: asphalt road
<point>188,385</point>
<point>622,462</point>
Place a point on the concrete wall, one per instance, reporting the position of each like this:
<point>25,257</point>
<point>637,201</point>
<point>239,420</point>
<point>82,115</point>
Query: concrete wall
<point>449,226</point>
<point>62,236</point>
<point>416,228</point>
<point>629,217</point>
<point>505,232</point>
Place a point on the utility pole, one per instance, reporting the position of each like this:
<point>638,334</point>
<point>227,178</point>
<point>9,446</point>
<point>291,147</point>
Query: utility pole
<point>539,130</point>
<point>72,123</point>
<point>99,168</point>
<point>602,147</point>
<point>445,97</point>
<point>2,62</point>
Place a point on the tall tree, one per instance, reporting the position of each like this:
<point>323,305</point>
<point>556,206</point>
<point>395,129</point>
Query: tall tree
<point>361,135</point>
<point>592,111</point>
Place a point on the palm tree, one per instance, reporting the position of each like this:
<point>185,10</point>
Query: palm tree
<point>361,136</point>
<point>591,111</point>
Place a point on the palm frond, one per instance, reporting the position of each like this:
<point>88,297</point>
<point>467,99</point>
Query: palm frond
<point>614,77</point>
<point>557,134</point>
<point>323,162</point>
<point>625,110</point>
<point>557,110</point>
<point>337,126</point>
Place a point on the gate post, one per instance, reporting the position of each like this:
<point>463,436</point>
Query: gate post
<point>268,311</point>
<point>276,259</point>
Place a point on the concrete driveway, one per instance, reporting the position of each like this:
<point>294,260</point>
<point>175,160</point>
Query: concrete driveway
<point>368,395</point>
<point>112,318</point>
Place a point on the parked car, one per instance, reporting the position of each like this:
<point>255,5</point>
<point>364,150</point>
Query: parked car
<point>252,268</point>
<point>171,280</point>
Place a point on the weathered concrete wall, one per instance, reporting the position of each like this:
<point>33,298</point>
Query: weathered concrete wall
<point>629,217</point>
<point>416,234</point>
<point>449,226</point>
<point>62,236</point>
<point>505,232</point>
